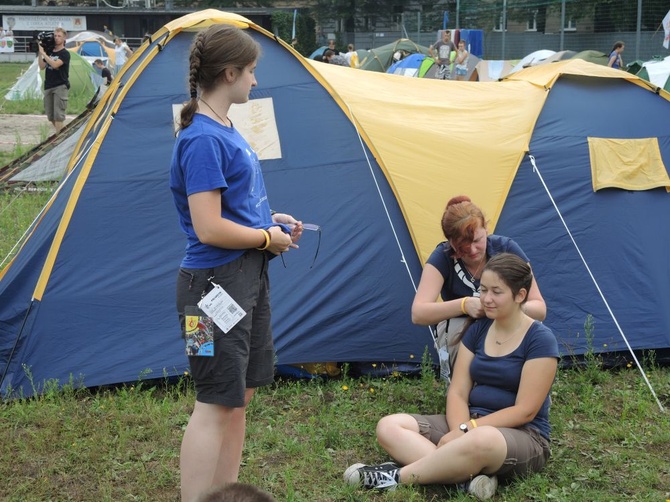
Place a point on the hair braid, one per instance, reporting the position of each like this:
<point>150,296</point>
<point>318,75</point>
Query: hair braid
<point>213,50</point>
<point>190,107</point>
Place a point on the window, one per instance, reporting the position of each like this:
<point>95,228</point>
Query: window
<point>531,24</point>
<point>499,24</point>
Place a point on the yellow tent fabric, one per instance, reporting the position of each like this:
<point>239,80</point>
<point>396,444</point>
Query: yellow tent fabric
<point>482,128</point>
<point>631,164</point>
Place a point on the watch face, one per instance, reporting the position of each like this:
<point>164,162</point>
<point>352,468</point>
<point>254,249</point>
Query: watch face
<point>463,427</point>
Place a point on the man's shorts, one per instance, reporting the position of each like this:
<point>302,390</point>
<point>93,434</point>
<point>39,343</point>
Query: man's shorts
<point>443,72</point>
<point>243,357</point>
<point>55,103</point>
<point>527,450</point>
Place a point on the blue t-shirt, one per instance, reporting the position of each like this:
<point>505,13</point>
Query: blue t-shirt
<point>208,156</point>
<point>457,283</point>
<point>496,379</point>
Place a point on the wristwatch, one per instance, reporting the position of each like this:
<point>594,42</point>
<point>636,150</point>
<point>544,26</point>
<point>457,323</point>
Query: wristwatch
<point>463,428</point>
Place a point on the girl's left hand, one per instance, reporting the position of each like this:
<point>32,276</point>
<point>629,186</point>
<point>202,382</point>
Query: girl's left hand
<point>292,223</point>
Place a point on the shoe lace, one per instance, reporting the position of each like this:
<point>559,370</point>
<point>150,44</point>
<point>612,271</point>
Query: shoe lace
<point>380,479</point>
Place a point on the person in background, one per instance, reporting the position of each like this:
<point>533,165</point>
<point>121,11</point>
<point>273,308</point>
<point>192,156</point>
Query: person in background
<point>351,56</point>
<point>461,61</point>
<point>453,272</point>
<point>331,46</point>
<point>107,31</point>
<point>496,423</point>
<point>338,59</point>
<point>218,189</point>
<point>122,52</point>
<point>104,71</point>
<point>615,60</point>
<point>56,66</point>
<point>441,52</point>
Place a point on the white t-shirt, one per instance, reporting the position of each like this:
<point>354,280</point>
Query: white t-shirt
<point>121,55</point>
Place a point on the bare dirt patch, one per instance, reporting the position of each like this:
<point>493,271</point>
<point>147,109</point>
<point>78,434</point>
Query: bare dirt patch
<point>26,130</point>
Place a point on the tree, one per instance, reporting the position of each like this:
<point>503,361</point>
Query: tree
<point>282,26</point>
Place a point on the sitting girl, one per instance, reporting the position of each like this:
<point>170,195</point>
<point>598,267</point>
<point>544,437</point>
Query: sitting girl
<point>497,412</point>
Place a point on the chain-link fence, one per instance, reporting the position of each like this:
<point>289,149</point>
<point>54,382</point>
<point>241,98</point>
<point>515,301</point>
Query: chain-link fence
<point>532,25</point>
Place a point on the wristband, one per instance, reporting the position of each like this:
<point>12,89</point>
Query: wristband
<point>474,424</point>
<point>266,234</point>
<point>465,312</point>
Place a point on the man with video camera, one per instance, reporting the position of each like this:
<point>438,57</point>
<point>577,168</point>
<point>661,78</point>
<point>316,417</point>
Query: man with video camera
<point>55,58</point>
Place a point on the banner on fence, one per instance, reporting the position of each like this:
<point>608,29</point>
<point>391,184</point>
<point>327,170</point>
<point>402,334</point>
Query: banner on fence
<point>44,23</point>
<point>6,44</point>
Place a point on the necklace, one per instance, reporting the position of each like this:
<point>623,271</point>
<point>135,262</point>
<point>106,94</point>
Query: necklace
<point>514,333</point>
<point>472,276</point>
<point>225,122</point>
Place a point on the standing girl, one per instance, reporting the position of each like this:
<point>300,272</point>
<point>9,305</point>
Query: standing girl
<point>462,56</point>
<point>220,195</point>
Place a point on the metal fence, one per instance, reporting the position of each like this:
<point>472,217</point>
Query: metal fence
<point>532,25</point>
<point>517,45</point>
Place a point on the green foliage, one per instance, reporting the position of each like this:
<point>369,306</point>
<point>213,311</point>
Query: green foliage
<point>282,25</point>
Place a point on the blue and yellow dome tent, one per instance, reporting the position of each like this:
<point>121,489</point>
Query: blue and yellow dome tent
<point>90,294</point>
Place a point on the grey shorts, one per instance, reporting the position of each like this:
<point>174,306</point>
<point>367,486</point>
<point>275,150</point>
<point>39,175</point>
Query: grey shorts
<point>55,103</point>
<point>527,450</point>
<point>243,357</point>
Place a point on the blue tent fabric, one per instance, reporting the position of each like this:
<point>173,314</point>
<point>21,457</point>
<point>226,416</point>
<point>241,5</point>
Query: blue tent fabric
<point>318,52</point>
<point>406,65</point>
<point>98,328</point>
<point>90,295</point>
<point>599,221</point>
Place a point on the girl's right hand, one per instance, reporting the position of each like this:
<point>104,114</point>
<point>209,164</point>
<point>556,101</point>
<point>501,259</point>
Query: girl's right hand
<point>280,242</point>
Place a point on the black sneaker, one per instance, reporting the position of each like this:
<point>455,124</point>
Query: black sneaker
<point>381,477</point>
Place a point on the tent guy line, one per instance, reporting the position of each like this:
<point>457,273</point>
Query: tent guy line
<point>354,121</point>
<point>536,170</point>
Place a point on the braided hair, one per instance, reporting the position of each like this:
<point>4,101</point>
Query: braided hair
<point>214,49</point>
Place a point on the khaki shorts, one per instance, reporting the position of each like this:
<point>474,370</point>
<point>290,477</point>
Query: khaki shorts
<point>55,103</point>
<point>527,450</point>
<point>243,357</point>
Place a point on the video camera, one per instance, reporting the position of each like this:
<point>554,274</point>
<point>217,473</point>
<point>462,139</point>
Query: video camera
<point>45,39</point>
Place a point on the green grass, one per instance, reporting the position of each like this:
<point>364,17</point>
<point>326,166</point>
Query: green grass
<point>9,72</point>
<point>610,440</point>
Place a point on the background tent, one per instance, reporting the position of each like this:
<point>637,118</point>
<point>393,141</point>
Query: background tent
<point>533,59</point>
<point>380,58</point>
<point>318,52</point>
<point>407,67</point>
<point>92,45</point>
<point>83,80</point>
<point>91,291</point>
<point>595,57</point>
<point>491,70</point>
<point>657,72</point>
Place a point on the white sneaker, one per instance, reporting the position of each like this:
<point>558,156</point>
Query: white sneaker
<point>483,487</point>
